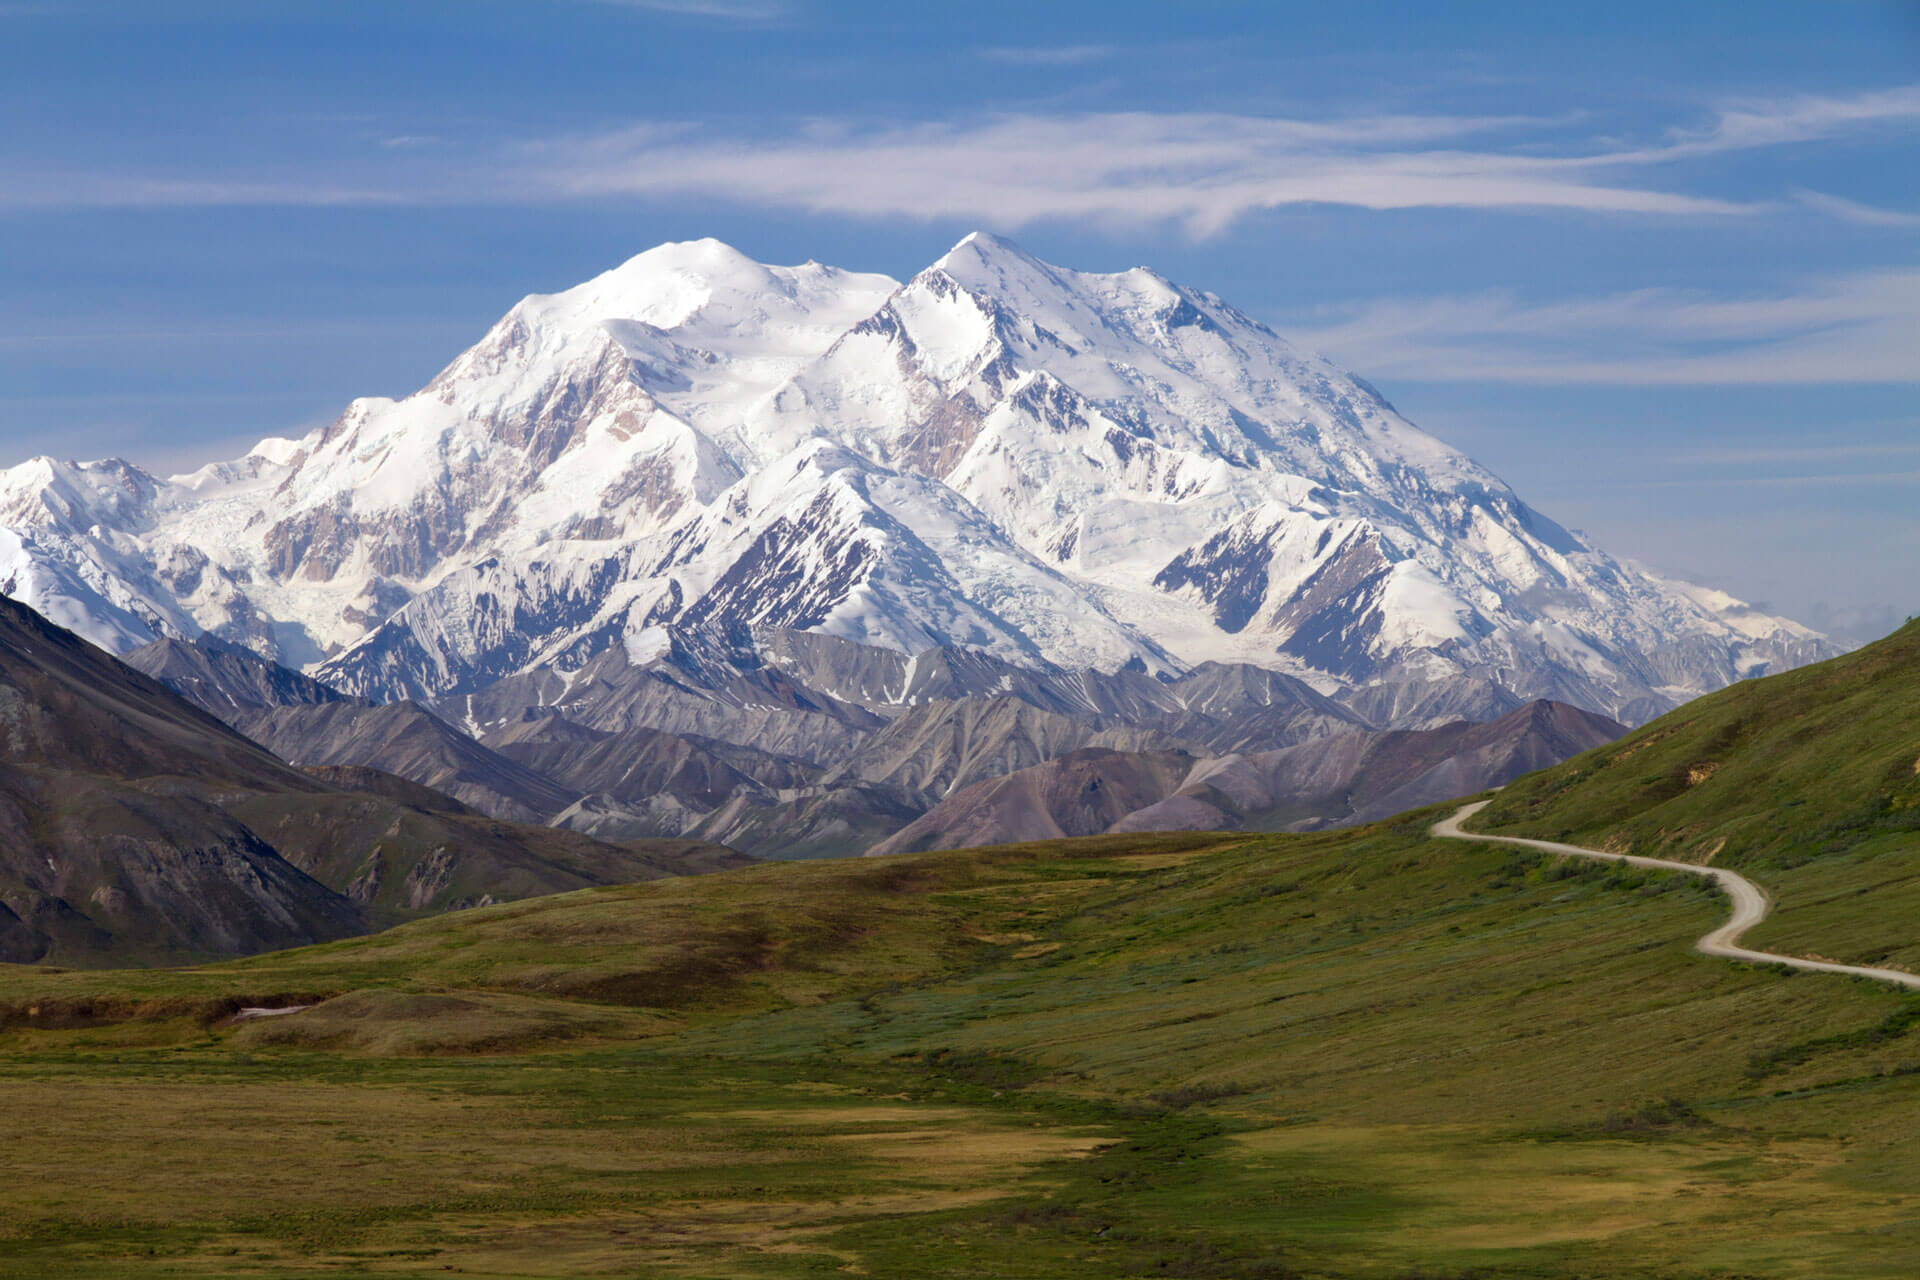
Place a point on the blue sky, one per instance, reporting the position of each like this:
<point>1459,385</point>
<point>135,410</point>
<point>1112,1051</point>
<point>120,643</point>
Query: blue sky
<point>1656,264</point>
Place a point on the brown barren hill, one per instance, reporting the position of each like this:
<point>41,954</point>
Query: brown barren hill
<point>1082,793</point>
<point>135,827</point>
<point>113,833</point>
<point>1332,781</point>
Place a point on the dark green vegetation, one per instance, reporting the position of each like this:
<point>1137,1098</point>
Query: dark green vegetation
<point>1359,1054</point>
<point>1808,782</point>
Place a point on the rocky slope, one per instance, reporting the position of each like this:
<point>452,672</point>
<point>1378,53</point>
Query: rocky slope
<point>1335,781</point>
<point>406,739</point>
<point>136,827</point>
<point>1263,748</point>
<point>224,678</point>
<point>113,834</point>
<point>937,746</point>
<point>1082,793</point>
<point>657,783</point>
<point>1030,466</point>
<point>1363,776</point>
<point>307,723</point>
<point>398,859</point>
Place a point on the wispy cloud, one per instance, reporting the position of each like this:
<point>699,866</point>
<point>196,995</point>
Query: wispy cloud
<point>1201,171</point>
<point>171,332</point>
<point>1763,122</point>
<point>1206,171</point>
<point>1794,455</point>
<point>54,190</point>
<point>1062,55</point>
<point>1780,482</point>
<point>1859,327</point>
<point>1864,215</point>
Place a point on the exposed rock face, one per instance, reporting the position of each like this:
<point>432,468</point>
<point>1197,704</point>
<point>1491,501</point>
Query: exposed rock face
<point>881,746</point>
<point>1361,777</point>
<point>1428,704</point>
<point>939,746</point>
<point>309,724</point>
<point>1332,781</point>
<point>224,678</point>
<point>637,769</point>
<point>408,740</point>
<point>1082,793</point>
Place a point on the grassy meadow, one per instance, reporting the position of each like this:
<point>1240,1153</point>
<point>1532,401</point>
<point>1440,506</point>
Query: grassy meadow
<point>1808,782</point>
<point>1359,1054</point>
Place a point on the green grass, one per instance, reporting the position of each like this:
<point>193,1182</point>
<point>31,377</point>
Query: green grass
<point>1362,1054</point>
<point>1808,782</point>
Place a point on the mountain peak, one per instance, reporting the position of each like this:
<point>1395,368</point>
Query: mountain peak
<point>1064,301</point>
<point>981,251</point>
<point>704,252</point>
<point>1095,469</point>
<point>987,242</point>
<point>661,285</point>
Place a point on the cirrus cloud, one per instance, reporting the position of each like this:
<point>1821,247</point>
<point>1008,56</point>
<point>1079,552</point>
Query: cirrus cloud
<point>1203,171</point>
<point>1853,327</point>
<point>1200,171</point>
<point>1208,170</point>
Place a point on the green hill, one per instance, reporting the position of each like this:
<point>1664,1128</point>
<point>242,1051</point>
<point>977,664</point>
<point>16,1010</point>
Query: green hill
<point>1809,782</point>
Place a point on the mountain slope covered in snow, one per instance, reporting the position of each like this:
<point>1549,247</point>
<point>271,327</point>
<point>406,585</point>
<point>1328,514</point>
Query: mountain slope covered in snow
<point>1043,469</point>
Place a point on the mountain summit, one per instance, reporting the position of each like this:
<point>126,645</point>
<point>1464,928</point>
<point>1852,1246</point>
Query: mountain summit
<point>1059,469</point>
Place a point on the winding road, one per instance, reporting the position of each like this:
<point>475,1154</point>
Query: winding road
<point>1750,902</point>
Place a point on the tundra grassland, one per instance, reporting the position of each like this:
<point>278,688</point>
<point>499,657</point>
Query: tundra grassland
<point>1807,782</point>
<point>1360,1054</point>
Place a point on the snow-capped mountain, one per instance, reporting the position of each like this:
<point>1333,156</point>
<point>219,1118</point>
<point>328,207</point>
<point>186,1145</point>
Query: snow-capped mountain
<point>1059,470</point>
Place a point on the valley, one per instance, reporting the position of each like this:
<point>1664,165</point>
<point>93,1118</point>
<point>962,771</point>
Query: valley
<point>1364,1053</point>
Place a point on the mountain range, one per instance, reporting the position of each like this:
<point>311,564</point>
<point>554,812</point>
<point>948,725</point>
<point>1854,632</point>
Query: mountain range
<point>619,756</point>
<point>789,559</point>
<point>1060,471</point>
<point>1249,1051</point>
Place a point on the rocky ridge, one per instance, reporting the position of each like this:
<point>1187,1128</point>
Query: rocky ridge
<point>135,826</point>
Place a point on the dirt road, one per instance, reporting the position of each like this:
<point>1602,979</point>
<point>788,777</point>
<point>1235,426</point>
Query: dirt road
<point>1750,902</point>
